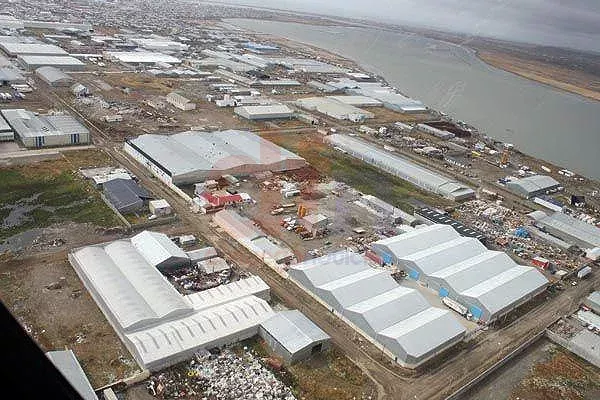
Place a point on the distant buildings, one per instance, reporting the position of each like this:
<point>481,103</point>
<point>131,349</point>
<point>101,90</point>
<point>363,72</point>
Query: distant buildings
<point>33,62</point>
<point>264,112</point>
<point>54,76</point>
<point>401,167</point>
<point>46,130</point>
<point>141,57</point>
<point>180,101</point>
<point>568,229</point>
<point>334,108</point>
<point>532,186</point>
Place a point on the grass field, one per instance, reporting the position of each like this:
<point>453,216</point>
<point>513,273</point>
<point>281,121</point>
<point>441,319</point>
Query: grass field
<point>44,193</point>
<point>362,176</point>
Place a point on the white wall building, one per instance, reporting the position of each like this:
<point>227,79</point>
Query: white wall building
<point>181,102</point>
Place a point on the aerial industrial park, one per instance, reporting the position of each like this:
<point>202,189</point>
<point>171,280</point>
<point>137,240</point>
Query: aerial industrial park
<point>193,210</point>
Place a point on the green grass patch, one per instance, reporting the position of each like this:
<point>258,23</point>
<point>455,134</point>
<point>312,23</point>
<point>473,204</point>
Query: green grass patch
<point>62,196</point>
<point>356,173</point>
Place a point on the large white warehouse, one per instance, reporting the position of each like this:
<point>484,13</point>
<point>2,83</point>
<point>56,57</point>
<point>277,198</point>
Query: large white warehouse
<point>397,319</point>
<point>192,157</point>
<point>159,326</point>
<point>488,283</point>
<point>401,167</point>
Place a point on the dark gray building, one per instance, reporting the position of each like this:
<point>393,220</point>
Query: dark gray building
<point>126,195</point>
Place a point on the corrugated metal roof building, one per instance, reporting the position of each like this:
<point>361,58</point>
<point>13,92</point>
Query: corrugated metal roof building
<point>159,326</point>
<point>397,319</point>
<point>53,76</point>
<point>31,63</point>
<point>68,365</point>
<point>159,251</point>
<point>6,132</point>
<point>532,186</point>
<point>259,113</point>
<point>334,109</point>
<point>488,283</point>
<point>401,167</point>
<point>192,157</point>
<point>593,301</point>
<point>46,130</point>
<point>569,229</point>
<point>125,195</point>
<point>40,49</point>
<point>292,336</point>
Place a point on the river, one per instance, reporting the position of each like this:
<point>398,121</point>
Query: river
<point>542,121</point>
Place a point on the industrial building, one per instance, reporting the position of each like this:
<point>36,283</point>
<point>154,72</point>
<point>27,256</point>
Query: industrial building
<point>140,57</point>
<point>593,302</point>
<point>386,210</point>
<point>292,336</point>
<point>260,48</point>
<point>261,113</point>
<point>181,102</point>
<point>401,167</point>
<point>159,326</point>
<point>46,130</point>
<point>532,186</point>
<point>192,157</point>
<point>31,63</point>
<point>126,195</point>
<point>54,77</point>
<point>430,216</point>
<point>334,109</point>
<point>14,49</point>
<point>568,229</point>
<point>245,232</point>
<point>386,95</point>
<point>357,101</point>
<point>397,319</point>
<point>307,66</point>
<point>11,76</point>
<point>439,133</point>
<point>488,284</point>
<point>6,132</point>
<point>160,207</point>
<point>159,43</point>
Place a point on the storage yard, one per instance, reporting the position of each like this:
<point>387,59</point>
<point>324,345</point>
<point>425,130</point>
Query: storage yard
<point>236,216</point>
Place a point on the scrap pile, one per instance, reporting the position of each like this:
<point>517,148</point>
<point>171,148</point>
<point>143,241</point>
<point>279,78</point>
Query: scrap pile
<point>508,230</point>
<point>190,280</point>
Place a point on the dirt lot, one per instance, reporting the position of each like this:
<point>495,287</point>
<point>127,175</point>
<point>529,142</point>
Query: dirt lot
<point>63,317</point>
<point>562,376</point>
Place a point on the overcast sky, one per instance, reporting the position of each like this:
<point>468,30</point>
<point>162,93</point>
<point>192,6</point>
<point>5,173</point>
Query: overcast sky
<point>570,23</point>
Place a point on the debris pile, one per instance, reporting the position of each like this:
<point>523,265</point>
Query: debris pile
<point>190,280</point>
<point>222,376</point>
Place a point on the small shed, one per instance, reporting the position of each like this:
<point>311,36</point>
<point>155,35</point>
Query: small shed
<point>315,223</point>
<point>292,336</point>
<point>160,207</point>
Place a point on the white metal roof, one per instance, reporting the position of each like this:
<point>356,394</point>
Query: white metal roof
<point>377,305</point>
<point>156,247</point>
<point>571,226</point>
<point>293,330</point>
<point>215,326</point>
<point>238,225</point>
<point>253,285</point>
<point>436,258</point>
<point>27,124</point>
<point>205,151</point>
<point>399,166</point>
<point>57,61</point>
<point>534,183</point>
<point>273,109</point>
<point>31,48</point>
<point>142,57</point>
<point>356,100</point>
<point>418,240</point>
<point>52,74</point>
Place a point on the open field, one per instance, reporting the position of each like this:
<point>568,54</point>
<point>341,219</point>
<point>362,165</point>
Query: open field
<point>353,172</point>
<point>48,192</point>
<point>63,316</point>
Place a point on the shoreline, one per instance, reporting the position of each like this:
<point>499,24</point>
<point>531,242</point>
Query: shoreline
<point>544,73</point>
